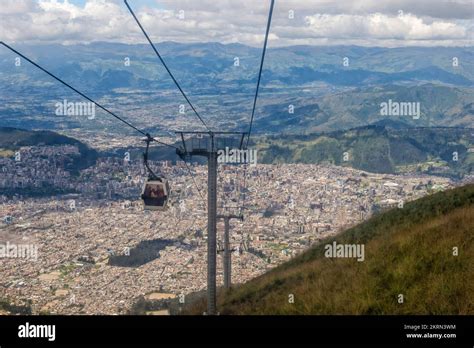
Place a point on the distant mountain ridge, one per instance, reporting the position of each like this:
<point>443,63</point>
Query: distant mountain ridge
<point>439,106</point>
<point>329,87</point>
<point>385,147</point>
<point>212,65</point>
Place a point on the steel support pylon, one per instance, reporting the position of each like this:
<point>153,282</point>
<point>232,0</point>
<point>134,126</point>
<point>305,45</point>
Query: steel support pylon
<point>227,256</point>
<point>209,149</point>
<point>211,229</point>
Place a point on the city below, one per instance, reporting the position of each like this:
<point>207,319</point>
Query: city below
<point>97,251</point>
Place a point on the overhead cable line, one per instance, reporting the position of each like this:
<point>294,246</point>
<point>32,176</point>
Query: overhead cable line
<point>86,97</point>
<point>269,22</point>
<point>194,181</point>
<point>177,85</point>
<point>270,15</point>
<point>166,67</point>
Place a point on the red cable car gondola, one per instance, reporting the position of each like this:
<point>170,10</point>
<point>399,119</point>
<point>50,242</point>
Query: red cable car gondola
<point>155,194</point>
<point>156,190</point>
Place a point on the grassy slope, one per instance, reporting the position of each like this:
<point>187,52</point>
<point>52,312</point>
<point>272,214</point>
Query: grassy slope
<point>408,251</point>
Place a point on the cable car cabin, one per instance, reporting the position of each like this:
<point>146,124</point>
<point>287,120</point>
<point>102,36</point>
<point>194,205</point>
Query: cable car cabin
<point>155,194</point>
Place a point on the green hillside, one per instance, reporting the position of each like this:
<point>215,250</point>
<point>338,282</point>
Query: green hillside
<point>12,139</point>
<point>440,106</point>
<point>381,148</point>
<point>408,251</point>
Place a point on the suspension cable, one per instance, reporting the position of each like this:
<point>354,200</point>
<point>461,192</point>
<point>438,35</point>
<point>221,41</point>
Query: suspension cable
<point>166,67</point>
<point>194,181</point>
<point>270,15</point>
<point>86,97</point>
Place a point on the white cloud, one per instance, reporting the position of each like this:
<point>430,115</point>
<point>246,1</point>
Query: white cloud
<point>380,26</point>
<point>12,7</point>
<point>362,22</point>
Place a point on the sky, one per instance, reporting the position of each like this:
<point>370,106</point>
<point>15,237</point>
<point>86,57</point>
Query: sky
<point>385,23</point>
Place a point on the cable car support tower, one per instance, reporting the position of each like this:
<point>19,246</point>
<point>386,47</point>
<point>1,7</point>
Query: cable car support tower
<point>208,148</point>
<point>227,257</point>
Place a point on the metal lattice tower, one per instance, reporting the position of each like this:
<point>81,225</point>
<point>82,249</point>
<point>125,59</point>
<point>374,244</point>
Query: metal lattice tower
<point>207,144</point>
<point>227,258</point>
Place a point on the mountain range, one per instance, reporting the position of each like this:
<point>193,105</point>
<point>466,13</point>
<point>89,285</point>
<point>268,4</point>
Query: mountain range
<point>327,87</point>
<point>209,66</point>
<point>384,147</point>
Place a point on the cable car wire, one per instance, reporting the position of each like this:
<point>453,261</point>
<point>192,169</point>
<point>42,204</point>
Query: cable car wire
<point>269,22</point>
<point>86,97</point>
<point>194,181</point>
<point>177,85</point>
<point>166,66</point>
<point>270,15</point>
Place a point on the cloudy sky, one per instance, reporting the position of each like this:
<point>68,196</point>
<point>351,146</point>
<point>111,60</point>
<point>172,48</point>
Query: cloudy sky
<point>321,22</point>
